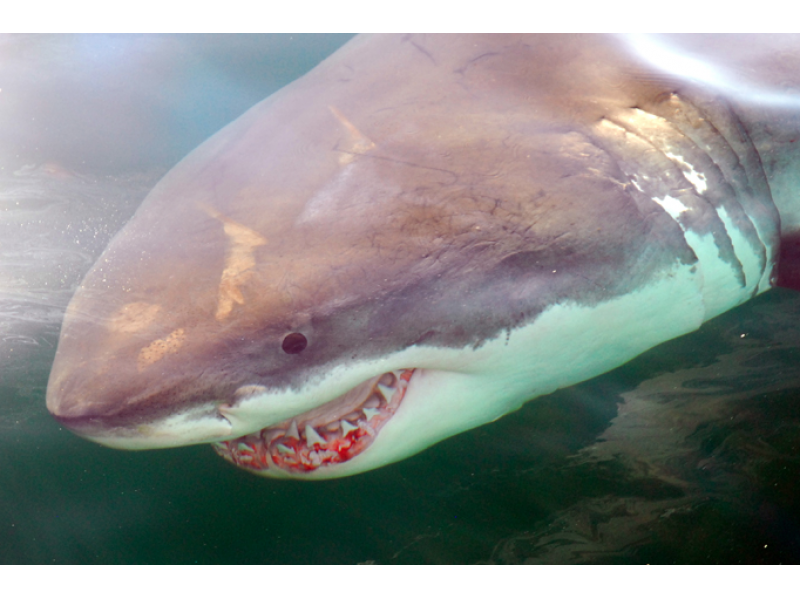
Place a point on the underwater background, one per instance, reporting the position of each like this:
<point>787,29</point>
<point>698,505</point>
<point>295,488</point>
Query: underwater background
<point>690,453</point>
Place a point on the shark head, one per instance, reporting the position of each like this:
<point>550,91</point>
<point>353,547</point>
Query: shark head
<point>365,263</point>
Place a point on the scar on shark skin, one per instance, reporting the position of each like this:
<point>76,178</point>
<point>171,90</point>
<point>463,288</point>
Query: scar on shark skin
<point>239,261</point>
<point>160,348</point>
<point>359,143</point>
<point>134,317</point>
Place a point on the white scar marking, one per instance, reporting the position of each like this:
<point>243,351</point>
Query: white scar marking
<point>239,261</point>
<point>134,317</point>
<point>698,180</point>
<point>358,142</point>
<point>160,348</point>
<point>673,206</point>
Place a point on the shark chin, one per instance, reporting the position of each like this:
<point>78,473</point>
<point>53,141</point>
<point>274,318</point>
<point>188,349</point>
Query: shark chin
<point>425,232</point>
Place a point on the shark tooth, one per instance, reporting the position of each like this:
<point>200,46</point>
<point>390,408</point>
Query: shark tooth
<point>282,449</point>
<point>347,427</point>
<point>293,433</point>
<point>370,412</point>
<point>312,437</point>
<point>387,392</point>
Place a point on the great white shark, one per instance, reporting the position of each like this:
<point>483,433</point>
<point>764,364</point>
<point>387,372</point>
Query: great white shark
<point>427,231</point>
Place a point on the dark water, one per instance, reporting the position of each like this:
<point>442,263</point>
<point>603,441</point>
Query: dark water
<point>689,454</point>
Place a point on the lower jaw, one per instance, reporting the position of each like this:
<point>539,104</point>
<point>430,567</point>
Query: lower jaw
<point>296,448</point>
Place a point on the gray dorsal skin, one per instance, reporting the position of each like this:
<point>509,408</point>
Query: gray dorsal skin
<point>427,231</point>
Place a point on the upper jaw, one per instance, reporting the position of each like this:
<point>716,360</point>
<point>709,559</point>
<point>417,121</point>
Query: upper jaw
<point>327,411</point>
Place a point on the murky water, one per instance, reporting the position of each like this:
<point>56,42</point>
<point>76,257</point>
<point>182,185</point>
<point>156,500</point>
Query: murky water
<point>690,453</point>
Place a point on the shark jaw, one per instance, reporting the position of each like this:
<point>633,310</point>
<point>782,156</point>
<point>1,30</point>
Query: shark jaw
<point>333,434</point>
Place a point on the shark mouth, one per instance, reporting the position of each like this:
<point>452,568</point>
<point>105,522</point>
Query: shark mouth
<point>330,434</point>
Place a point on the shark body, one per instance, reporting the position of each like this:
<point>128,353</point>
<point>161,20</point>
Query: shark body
<point>424,233</point>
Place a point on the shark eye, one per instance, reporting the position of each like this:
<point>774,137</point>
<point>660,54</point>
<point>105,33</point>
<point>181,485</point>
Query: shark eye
<point>294,343</point>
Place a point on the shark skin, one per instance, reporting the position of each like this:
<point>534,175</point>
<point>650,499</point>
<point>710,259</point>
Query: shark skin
<point>427,231</point>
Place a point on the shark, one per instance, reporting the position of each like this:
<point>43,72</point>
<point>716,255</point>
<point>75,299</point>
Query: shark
<point>427,231</point>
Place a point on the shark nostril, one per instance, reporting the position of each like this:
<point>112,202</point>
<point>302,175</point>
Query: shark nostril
<point>294,343</point>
